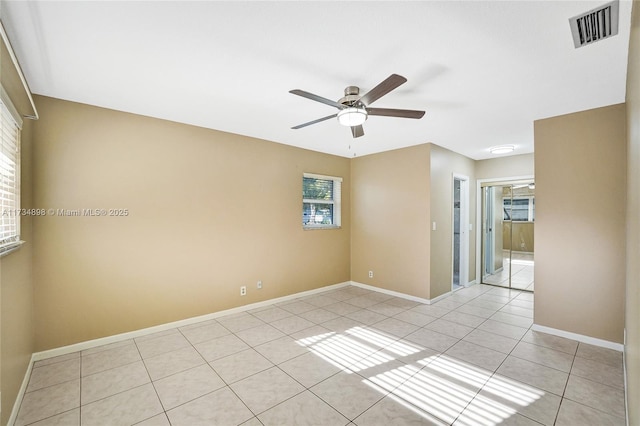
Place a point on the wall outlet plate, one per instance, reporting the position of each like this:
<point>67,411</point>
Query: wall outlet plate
<point>370,274</point>
<point>243,290</point>
<point>259,285</point>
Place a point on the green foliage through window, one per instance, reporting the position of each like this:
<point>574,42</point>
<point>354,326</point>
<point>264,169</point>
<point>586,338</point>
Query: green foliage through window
<point>317,189</point>
<point>320,201</point>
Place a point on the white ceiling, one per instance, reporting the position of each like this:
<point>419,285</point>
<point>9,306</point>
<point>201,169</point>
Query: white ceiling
<point>483,70</point>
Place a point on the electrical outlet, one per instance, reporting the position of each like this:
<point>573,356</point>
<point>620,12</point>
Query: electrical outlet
<point>259,284</point>
<point>243,290</point>
<point>370,274</point>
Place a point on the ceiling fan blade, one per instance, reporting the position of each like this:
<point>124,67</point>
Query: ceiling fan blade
<point>328,117</point>
<point>316,98</point>
<point>357,131</point>
<point>392,82</point>
<point>388,112</point>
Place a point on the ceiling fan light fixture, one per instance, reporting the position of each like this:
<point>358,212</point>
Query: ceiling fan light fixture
<point>352,116</point>
<point>502,149</point>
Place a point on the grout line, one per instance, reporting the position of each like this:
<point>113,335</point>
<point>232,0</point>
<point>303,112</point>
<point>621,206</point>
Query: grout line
<point>144,364</point>
<point>391,336</point>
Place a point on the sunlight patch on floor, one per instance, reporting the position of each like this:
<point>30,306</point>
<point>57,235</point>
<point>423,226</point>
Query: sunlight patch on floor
<point>513,391</point>
<point>344,351</point>
<point>389,344</point>
<point>485,412</point>
<point>436,393</point>
<point>459,371</point>
<point>437,387</point>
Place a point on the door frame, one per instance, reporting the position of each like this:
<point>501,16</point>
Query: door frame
<point>488,231</point>
<point>479,183</point>
<point>463,277</point>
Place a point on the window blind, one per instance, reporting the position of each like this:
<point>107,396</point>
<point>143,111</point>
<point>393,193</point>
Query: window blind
<point>9,178</point>
<point>321,201</point>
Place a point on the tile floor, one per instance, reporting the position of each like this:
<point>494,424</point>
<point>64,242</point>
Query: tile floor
<point>521,269</point>
<point>344,357</point>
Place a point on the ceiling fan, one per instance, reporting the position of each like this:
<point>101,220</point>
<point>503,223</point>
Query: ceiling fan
<point>354,108</point>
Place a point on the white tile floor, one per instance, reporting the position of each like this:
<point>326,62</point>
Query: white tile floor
<point>347,356</point>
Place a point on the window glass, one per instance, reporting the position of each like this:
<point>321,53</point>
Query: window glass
<point>320,201</point>
<point>519,210</point>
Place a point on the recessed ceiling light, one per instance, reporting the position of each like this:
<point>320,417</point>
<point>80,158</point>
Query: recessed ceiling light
<point>502,149</point>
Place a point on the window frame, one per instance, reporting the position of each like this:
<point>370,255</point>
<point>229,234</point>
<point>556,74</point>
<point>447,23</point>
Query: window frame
<point>336,202</point>
<point>530,208</point>
<point>13,212</point>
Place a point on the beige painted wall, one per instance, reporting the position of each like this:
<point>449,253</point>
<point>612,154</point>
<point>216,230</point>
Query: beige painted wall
<point>580,169</point>
<point>505,167</point>
<point>208,212</point>
<point>396,195</point>
<point>518,235</point>
<point>17,341</point>
<point>390,220</point>
<point>444,163</point>
<point>632,311</point>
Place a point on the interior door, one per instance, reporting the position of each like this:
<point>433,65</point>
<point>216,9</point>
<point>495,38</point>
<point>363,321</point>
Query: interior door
<point>488,240</point>
<point>508,214</point>
<point>456,233</point>
<point>497,235</point>
<point>460,231</point>
<point>499,232</point>
<point>493,233</point>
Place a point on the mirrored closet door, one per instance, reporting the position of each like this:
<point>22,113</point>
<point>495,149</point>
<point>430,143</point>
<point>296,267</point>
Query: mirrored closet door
<point>508,216</point>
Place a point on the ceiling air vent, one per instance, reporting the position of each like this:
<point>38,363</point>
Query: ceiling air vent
<point>595,25</point>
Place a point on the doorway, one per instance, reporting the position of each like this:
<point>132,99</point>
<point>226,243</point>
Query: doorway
<point>508,217</point>
<point>460,235</point>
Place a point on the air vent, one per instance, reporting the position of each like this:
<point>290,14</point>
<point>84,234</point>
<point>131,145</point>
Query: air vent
<point>595,25</point>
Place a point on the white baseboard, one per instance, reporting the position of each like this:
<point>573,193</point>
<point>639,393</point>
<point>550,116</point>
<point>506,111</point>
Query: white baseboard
<point>181,323</point>
<point>23,388</point>
<point>442,296</point>
<point>398,294</point>
<point>472,282</point>
<point>64,350</point>
<point>150,330</point>
<point>38,356</point>
<point>579,337</point>
<point>624,375</point>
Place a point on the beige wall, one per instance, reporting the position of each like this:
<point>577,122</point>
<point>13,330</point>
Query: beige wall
<point>444,164</point>
<point>505,167</point>
<point>208,213</point>
<point>518,235</point>
<point>17,341</point>
<point>632,349</point>
<point>396,195</point>
<point>390,220</point>
<point>580,169</point>
<point>94,274</point>
<point>16,318</point>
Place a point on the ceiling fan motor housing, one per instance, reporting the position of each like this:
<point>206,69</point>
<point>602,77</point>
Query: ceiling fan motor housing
<point>351,96</point>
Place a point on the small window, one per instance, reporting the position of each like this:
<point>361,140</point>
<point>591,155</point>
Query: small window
<point>520,209</point>
<point>321,199</point>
